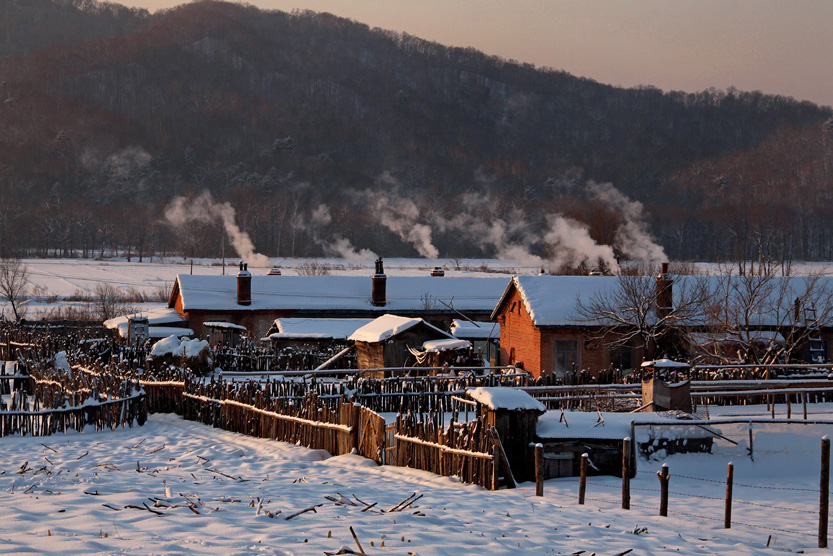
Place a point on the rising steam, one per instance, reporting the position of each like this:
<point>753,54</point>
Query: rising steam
<point>566,242</point>
<point>632,236</point>
<point>204,208</point>
<point>401,216</point>
<point>337,246</point>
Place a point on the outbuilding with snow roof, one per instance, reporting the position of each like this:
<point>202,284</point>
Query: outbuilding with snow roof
<point>391,340</point>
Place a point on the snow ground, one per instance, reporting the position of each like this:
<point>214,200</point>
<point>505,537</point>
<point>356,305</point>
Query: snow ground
<point>71,495</point>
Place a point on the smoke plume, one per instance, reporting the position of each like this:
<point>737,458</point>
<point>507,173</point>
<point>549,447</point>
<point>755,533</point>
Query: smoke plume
<point>401,216</point>
<point>632,236</point>
<point>337,246</point>
<point>570,244</point>
<point>204,208</point>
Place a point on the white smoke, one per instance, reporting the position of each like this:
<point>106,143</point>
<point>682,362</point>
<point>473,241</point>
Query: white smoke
<point>401,216</point>
<point>570,244</point>
<point>204,208</point>
<point>632,236</point>
<point>508,239</point>
<point>336,246</point>
<point>128,161</point>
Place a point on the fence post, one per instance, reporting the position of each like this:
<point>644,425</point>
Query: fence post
<point>804,403</point>
<point>727,515</point>
<point>495,463</point>
<point>663,483</point>
<point>582,485</point>
<point>539,469</point>
<point>824,490</point>
<point>355,434</point>
<point>789,406</point>
<point>626,473</point>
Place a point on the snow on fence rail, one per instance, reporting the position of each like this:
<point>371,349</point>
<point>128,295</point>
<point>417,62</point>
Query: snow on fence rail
<point>103,415</point>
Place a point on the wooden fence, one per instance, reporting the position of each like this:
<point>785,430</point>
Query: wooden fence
<point>463,450</point>
<point>108,414</point>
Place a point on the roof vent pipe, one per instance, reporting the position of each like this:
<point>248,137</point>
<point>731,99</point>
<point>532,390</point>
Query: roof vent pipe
<point>244,285</point>
<point>379,293</point>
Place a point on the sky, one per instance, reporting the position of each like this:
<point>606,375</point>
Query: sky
<point>778,47</point>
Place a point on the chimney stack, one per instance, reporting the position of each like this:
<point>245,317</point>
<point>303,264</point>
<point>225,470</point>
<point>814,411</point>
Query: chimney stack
<point>379,295</point>
<point>665,292</point>
<point>244,285</point>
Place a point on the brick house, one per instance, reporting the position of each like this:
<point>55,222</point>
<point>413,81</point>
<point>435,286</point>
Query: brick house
<point>539,326</point>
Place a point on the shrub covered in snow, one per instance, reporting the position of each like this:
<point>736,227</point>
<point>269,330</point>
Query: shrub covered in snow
<point>194,354</point>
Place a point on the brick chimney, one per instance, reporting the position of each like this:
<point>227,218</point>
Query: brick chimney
<point>379,295</point>
<point>665,292</point>
<point>244,285</point>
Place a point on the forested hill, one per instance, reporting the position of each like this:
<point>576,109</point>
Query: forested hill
<point>283,113</point>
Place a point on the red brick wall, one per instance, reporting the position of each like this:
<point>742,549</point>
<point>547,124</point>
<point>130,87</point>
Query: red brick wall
<point>536,346</point>
<point>517,331</point>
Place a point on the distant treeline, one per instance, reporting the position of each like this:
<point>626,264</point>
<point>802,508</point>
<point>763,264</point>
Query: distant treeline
<point>108,113</point>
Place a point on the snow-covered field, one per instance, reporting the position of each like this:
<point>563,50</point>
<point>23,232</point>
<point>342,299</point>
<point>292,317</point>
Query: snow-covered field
<point>214,492</point>
<point>62,280</point>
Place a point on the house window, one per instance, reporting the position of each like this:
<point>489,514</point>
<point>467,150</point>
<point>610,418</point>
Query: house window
<point>566,355</point>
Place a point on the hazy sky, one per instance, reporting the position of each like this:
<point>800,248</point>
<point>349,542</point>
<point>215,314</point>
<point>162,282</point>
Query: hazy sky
<point>780,47</point>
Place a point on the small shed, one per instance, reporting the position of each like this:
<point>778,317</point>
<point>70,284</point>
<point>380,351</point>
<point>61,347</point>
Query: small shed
<point>514,415</point>
<point>666,386</point>
<point>224,333</point>
<point>388,341</point>
<point>484,337</point>
<point>312,332</point>
<point>159,323</point>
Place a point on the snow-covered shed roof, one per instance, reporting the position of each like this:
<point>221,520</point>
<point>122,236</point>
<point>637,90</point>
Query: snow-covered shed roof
<point>165,331</point>
<point>300,328</point>
<point>612,426</point>
<point>505,398</point>
<point>475,330</point>
<point>224,325</point>
<point>338,293</point>
<point>162,315</point>
<point>436,346</point>
<point>386,326</point>
<point>156,318</point>
<point>665,364</point>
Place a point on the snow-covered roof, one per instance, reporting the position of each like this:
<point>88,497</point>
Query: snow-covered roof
<point>225,325</point>
<point>165,331</point>
<point>665,364</point>
<point>478,330</point>
<point>505,398</point>
<point>613,426</point>
<point>300,328</point>
<point>552,300</point>
<point>163,315</point>
<point>386,326</point>
<point>340,293</point>
<point>435,346</point>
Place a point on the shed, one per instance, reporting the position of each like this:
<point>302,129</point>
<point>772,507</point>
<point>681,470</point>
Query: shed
<point>484,337</point>
<point>514,415</point>
<point>224,333</point>
<point>388,340</point>
<point>666,386</point>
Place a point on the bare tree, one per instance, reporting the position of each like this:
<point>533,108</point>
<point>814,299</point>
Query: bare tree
<point>655,314</point>
<point>763,315</point>
<point>14,285</point>
<point>108,302</point>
